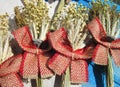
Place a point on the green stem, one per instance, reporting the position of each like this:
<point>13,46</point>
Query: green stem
<point>59,7</point>
<point>39,82</point>
<point>110,78</point>
<point>66,79</point>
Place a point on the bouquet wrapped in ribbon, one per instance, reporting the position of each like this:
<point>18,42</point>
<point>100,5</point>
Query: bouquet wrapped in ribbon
<point>60,45</point>
<point>29,40</point>
<point>70,45</point>
<point>104,28</point>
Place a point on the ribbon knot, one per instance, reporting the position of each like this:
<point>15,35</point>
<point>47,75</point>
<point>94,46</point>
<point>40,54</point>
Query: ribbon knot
<point>65,57</point>
<point>37,51</point>
<point>73,58</point>
<point>105,44</point>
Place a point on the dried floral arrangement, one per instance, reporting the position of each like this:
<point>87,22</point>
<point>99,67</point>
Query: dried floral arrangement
<point>64,51</point>
<point>109,23</point>
<point>73,19</point>
<point>5,49</point>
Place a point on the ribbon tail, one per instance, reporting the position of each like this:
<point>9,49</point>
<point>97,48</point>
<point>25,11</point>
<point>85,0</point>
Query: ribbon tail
<point>44,70</point>
<point>79,71</point>
<point>58,63</point>
<point>115,54</point>
<point>100,55</point>
<point>29,66</point>
<point>10,80</point>
<point>11,65</point>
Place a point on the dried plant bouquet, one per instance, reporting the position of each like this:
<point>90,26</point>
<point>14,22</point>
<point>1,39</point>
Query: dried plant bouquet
<point>110,20</point>
<point>5,49</point>
<point>73,18</point>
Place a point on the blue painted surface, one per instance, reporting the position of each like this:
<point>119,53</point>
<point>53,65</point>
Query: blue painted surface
<point>86,3</point>
<point>97,77</point>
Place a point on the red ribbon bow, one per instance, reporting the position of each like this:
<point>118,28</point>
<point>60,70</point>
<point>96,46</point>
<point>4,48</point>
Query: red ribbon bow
<point>65,57</point>
<point>8,72</point>
<point>31,63</point>
<point>104,44</point>
<point>34,59</point>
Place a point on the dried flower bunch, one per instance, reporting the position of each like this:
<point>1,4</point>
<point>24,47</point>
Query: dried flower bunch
<point>73,19</point>
<point>5,49</point>
<point>108,16</point>
<point>34,14</point>
<point>4,24</point>
<point>110,20</point>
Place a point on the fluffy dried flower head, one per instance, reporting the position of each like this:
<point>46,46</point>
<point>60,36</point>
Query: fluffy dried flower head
<point>73,18</point>
<point>71,13</point>
<point>4,24</point>
<point>34,12</point>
